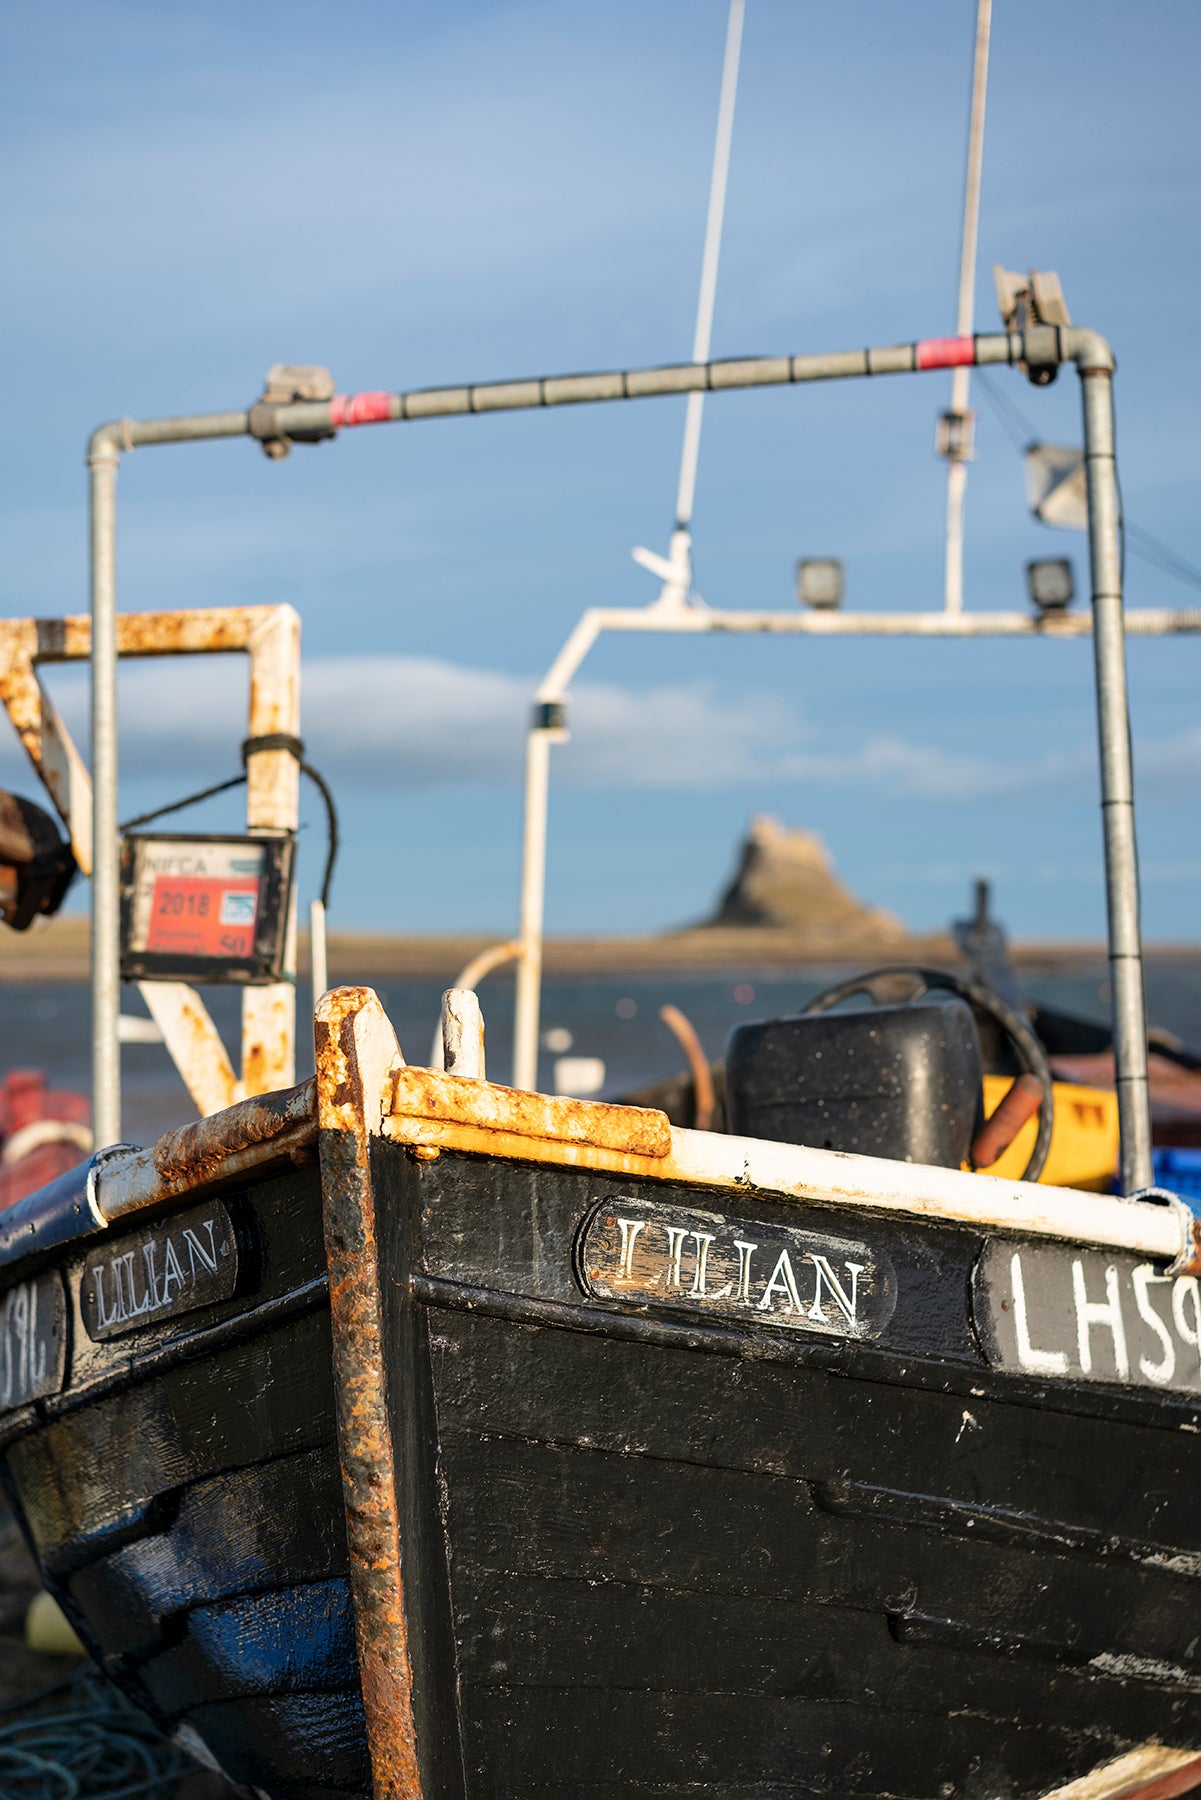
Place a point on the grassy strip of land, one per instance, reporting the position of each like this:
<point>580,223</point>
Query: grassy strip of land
<point>59,952</point>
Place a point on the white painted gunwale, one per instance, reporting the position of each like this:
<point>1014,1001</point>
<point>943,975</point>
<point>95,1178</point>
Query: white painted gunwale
<point>1027,1209</point>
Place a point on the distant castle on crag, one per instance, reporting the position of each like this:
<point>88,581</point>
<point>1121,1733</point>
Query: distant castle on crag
<point>785,881</point>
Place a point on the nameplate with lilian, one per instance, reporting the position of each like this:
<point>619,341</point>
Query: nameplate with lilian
<point>735,1269</point>
<point>179,1263</point>
<point>1069,1313</point>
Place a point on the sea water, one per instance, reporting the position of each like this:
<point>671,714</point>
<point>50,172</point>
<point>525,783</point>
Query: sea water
<point>613,1019</point>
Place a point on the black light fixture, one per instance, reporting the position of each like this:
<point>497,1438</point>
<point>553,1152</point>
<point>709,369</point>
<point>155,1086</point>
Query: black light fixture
<point>1050,583</point>
<point>819,582</point>
<point>954,436</point>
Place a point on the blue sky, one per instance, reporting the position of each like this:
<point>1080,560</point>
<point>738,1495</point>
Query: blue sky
<point>413,195</point>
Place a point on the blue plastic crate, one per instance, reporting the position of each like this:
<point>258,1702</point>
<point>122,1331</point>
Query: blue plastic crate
<point>1179,1171</point>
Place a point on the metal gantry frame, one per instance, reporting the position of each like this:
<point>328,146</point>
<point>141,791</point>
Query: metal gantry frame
<point>1041,348</point>
<point>549,724</point>
<point>270,637</point>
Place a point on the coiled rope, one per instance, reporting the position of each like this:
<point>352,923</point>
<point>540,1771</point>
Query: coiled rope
<point>99,1748</point>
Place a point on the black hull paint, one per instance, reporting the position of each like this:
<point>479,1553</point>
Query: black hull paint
<point>647,1552</point>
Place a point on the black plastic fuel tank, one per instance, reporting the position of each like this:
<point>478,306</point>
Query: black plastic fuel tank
<point>897,1081</point>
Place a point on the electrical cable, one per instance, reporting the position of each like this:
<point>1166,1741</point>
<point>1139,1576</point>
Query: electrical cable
<point>275,740</point>
<point>1012,419</point>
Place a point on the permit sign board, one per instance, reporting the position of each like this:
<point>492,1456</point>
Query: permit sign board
<point>205,908</point>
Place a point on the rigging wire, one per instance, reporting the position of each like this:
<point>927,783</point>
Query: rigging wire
<point>1022,434</point>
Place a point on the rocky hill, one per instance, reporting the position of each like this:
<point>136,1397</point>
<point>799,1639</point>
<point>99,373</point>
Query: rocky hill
<point>785,881</point>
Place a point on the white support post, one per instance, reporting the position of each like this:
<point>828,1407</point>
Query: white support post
<point>462,1034</point>
<point>106,875</point>
<point>960,380</point>
<point>676,568</point>
<point>533,893</point>
<point>318,964</point>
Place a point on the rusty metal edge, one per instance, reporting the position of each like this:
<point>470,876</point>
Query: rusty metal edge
<point>487,1107</point>
<point>356,1051</point>
<point>246,1138</point>
<point>438,1112</point>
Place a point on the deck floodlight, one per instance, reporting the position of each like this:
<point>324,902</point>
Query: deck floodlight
<point>819,582</point>
<point>1050,583</point>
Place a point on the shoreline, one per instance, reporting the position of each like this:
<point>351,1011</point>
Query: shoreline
<point>59,953</point>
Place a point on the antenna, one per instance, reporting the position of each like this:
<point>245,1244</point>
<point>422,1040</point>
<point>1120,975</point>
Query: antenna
<point>675,569</point>
<point>955,426</point>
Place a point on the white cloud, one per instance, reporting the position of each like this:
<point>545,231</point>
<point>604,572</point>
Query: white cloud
<point>423,721</point>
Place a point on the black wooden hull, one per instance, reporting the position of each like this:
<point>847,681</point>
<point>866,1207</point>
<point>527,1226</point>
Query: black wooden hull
<point>649,1547</point>
<point>183,1498</point>
<point>688,1560</point>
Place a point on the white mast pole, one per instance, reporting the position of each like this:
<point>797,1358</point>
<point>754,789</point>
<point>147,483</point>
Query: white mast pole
<point>676,570</point>
<point>959,449</point>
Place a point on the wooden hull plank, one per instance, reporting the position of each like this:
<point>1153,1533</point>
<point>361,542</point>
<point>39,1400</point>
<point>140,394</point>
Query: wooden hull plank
<point>1041,1472</point>
<point>92,1469</point>
<point>292,1640</point>
<point>240,1533</point>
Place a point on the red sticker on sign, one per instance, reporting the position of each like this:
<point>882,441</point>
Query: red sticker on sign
<point>194,915</point>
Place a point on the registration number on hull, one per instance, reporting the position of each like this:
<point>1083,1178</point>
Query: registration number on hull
<point>1076,1314</point>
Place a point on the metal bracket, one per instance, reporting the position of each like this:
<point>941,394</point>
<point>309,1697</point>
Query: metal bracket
<point>286,384</point>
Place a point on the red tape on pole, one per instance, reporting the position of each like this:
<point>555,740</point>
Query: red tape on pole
<point>360,409</point>
<point>946,353</point>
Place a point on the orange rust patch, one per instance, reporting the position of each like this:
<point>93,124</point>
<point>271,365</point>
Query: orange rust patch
<point>455,1100</point>
<point>194,1151</point>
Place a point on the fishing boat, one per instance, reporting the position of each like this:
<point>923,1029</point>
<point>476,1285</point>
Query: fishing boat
<point>402,1433</point>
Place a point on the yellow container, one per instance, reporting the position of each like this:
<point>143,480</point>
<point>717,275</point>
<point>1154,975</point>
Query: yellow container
<point>1084,1143</point>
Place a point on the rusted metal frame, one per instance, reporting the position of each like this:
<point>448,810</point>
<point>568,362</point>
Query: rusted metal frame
<point>273,803</point>
<point>26,644</point>
<point>47,742</point>
<point>434,1111</point>
<point>194,1044</point>
<point>271,637</point>
<point>357,1054</point>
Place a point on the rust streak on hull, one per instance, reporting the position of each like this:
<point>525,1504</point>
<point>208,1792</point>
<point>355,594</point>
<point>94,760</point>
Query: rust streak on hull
<point>355,1051</point>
